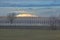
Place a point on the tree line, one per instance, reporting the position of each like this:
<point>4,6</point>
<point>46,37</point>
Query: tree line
<point>54,21</point>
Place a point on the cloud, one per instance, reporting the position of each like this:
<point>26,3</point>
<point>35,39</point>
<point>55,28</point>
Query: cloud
<point>19,3</point>
<point>46,12</point>
<point>29,0</point>
<point>21,11</point>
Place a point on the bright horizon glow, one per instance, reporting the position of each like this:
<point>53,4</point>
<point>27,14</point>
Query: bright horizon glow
<point>26,15</point>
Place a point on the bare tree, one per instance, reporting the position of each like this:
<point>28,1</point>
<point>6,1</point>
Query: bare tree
<point>58,21</point>
<point>53,21</point>
<point>11,17</point>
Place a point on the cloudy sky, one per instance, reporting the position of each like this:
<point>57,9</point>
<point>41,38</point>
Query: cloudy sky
<point>28,3</point>
<point>36,7</point>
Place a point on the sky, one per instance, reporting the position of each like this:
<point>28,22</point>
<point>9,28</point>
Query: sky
<point>37,7</point>
<point>28,3</point>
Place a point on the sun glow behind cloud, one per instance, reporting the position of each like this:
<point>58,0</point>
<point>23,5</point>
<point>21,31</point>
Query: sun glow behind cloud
<point>26,15</point>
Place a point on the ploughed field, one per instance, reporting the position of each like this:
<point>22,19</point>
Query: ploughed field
<point>29,34</point>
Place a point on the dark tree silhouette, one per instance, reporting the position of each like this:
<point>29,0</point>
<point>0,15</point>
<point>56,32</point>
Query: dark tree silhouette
<point>11,17</point>
<point>53,21</point>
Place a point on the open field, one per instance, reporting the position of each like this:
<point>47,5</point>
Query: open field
<point>29,34</point>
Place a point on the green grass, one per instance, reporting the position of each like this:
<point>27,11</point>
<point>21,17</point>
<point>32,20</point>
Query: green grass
<point>28,34</point>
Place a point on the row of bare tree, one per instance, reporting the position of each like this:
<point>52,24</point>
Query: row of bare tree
<point>54,21</point>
